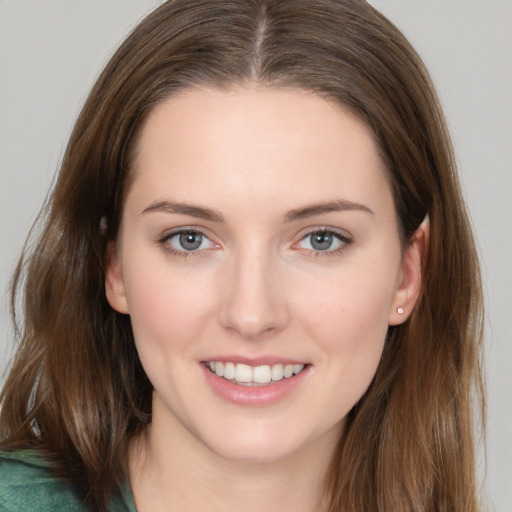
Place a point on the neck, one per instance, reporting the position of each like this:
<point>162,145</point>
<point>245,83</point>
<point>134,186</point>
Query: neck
<point>173,467</point>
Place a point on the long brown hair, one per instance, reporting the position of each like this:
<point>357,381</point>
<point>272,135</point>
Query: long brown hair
<point>77,390</point>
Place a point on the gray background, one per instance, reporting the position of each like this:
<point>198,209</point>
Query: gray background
<point>51,51</point>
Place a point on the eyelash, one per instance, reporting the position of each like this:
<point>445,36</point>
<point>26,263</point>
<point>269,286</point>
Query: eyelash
<point>344,239</point>
<point>176,253</point>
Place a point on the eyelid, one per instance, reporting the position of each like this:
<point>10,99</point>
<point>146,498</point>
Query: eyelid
<point>167,235</point>
<point>340,233</point>
<point>345,238</point>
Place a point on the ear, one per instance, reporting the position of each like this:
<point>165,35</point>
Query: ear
<point>114,284</point>
<point>410,277</point>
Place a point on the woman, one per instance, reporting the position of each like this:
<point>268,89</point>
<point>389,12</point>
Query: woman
<point>255,280</point>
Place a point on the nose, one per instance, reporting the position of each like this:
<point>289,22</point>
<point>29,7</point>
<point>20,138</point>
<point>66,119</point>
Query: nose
<point>254,299</point>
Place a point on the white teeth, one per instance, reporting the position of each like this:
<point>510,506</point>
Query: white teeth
<point>297,368</point>
<point>245,374</point>
<point>262,374</point>
<point>277,372</point>
<point>229,371</point>
<point>288,370</point>
<point>219,369</point>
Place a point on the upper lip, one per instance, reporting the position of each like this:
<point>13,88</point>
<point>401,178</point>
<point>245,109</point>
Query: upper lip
<point>255,361</point>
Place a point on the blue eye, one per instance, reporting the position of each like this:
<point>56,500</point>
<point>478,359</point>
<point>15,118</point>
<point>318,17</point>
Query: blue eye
<point>188,241</point>
<point>324,241</point>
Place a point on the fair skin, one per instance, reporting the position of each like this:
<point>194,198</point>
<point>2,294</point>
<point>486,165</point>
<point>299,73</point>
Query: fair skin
<point>259,230</point>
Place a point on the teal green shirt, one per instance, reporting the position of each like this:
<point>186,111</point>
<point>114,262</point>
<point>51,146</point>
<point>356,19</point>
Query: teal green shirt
<point>28,485</point>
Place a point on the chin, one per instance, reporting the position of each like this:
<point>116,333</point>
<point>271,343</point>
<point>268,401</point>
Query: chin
<point>254,452</point>
<point>264,444</point>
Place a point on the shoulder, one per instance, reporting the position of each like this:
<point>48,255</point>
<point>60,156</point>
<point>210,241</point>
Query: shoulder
<point>27,483</point>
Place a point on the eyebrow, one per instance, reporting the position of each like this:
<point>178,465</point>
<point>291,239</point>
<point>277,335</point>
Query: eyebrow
<point>185,209</point>
<point>215,216</point>
<point>331,206</point>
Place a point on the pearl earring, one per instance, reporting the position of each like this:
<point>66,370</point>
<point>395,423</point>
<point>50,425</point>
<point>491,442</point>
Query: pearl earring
<point>400,311</point>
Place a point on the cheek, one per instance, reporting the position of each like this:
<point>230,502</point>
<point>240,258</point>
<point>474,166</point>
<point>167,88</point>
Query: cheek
<point>169,316</point>
<point>356,304</point>
<point>348,319</point>
<point>167,308</point>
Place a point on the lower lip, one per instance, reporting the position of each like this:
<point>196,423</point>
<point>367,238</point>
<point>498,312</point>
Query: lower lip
<point>253,395</point>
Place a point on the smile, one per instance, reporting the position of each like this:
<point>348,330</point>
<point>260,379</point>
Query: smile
<point>254,375</point>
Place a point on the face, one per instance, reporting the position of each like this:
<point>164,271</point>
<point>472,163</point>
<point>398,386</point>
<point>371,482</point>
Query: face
<point>260,262</point>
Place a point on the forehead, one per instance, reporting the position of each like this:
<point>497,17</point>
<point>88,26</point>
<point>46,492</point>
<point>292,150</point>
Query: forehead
<point>260,144</point>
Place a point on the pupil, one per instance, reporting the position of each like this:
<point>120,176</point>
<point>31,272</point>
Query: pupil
<point>190,241</point>
<point>321,241</point>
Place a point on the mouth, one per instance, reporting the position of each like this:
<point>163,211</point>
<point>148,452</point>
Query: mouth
<point>246,375</point>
